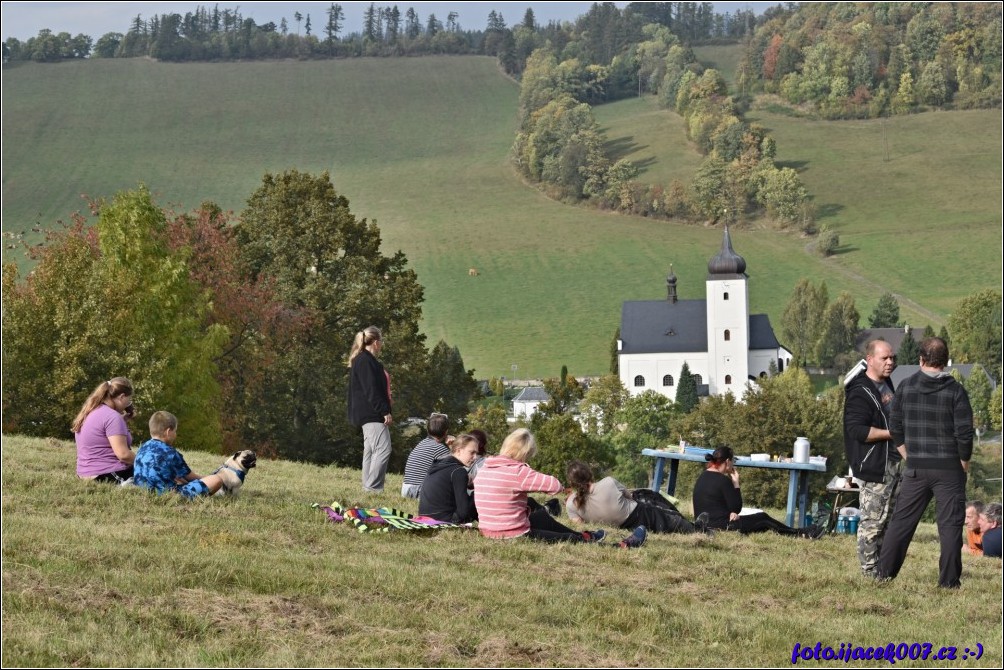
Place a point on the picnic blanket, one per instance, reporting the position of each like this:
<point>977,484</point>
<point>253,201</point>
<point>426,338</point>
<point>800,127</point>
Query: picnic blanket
<point>382,519</point>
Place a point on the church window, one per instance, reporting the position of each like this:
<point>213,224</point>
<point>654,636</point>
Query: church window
<point>667,380</point>
<point>698,380</point>
<point>639,381</point>
<point>728,336</point>
<point>726,295</point>
<point>728,379</point>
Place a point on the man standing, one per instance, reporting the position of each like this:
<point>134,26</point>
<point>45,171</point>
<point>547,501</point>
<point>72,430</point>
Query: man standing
<point>932,424</point>
<point>870,452</point>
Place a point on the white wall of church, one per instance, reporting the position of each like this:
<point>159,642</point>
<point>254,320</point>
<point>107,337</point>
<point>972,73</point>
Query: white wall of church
<point>653,368</point>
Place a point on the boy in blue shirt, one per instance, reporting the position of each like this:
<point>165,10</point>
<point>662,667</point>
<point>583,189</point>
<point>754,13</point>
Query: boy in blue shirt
<point>160,467</point>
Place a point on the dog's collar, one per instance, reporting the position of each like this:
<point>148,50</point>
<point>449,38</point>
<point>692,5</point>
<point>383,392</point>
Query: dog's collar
<point>240,473</point>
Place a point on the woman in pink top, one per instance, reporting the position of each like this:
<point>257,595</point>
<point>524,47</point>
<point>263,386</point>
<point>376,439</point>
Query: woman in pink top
<point>104,442</point>
<point>500,496</point>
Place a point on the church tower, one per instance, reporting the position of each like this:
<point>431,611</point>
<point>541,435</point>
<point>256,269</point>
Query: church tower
<point>728,321</point>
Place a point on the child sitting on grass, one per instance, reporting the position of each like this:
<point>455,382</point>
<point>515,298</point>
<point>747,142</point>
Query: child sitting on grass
<point>160,467</point>
<point>506,511</point>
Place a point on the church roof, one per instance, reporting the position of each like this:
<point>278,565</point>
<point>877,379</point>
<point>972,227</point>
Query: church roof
<point>726,264</point>
<point>662,326</point>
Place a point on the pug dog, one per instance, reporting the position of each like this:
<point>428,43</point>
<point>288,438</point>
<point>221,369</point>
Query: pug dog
<point>233,471</point>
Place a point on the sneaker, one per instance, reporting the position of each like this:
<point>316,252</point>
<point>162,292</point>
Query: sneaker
<point>635,539</point>
<point>594,535</point>
<point>553,507</point>
<point>701,524</point>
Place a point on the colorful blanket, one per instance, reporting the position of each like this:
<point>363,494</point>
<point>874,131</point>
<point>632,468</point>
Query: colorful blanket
<point>382,519</point>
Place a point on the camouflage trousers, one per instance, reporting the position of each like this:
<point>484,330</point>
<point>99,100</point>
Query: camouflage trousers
<point>877,500</point>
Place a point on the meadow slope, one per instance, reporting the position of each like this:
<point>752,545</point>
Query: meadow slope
<point>420,145</point>
<point>95,575</point>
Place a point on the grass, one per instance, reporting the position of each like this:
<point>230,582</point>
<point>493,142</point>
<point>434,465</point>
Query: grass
<point>421,144</point>
<point>94,575</point>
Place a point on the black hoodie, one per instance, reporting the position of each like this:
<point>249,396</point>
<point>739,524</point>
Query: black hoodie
<point>444,494</point>
<point>863,410</point>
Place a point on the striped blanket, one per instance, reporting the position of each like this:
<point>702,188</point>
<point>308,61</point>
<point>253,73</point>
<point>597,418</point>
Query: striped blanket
<point>382,519</point>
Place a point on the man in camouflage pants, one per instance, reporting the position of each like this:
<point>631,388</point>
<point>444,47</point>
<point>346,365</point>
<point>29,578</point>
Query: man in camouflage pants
<point>870,452</point>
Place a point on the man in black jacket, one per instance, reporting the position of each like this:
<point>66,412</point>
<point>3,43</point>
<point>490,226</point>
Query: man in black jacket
<point>932,426</point>
<point>870,451</point>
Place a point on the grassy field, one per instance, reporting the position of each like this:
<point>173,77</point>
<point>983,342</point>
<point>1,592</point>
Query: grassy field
<point>420,145</point>
<point>95,575</point>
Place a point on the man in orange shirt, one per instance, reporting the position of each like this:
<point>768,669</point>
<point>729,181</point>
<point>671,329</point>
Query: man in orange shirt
<point>974,534</point>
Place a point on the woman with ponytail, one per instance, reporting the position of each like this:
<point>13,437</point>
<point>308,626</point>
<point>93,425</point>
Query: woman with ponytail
<point>716,493</point>
<point>104,443</point>
<point>369,403</point>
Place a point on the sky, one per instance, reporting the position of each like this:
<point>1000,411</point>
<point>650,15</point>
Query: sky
<point>25,19</point>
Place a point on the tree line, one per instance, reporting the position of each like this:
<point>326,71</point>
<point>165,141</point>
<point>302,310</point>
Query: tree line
<point>239,327</point>
<point>225,34</point>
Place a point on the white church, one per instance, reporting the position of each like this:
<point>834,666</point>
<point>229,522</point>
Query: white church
<point>722,343</point>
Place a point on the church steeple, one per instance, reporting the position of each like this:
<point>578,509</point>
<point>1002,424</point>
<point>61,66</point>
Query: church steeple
<point>671,285</point>
<point>727,261</point>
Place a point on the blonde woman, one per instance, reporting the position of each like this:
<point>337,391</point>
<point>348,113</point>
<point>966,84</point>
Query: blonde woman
<point>104,443</point>
<point>369,405</point>
<point>504,507</point>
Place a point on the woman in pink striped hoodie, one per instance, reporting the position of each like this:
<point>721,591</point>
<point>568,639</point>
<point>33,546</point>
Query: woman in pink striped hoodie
<point>504,508</point>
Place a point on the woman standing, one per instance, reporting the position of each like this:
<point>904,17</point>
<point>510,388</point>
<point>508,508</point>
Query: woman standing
<point>104,442</point>
<point>717,494</point>
<point>369,404</point>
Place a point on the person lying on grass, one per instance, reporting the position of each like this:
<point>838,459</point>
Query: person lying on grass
<point>608,502</point>
<point>160,467</point>
<point>504,507</point>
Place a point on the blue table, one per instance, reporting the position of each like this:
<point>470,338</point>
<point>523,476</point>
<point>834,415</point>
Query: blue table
<point>798,477</point>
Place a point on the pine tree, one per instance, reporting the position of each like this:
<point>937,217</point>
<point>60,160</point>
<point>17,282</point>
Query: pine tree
<point>686,390</point>
<point>909,352</point>
<point>886,314</point>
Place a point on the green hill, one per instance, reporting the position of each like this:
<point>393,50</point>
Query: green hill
<point>100,576</point>
<point>421,145</point>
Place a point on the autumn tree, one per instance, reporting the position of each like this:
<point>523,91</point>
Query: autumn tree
<point>111,300</point>
<point>327,262</point>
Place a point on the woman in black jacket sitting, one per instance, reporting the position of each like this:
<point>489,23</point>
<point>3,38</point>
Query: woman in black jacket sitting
<point>717,494</point>
<point>444,495</point>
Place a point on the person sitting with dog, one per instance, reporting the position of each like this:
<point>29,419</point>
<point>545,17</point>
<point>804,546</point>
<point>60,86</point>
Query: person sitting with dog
<point>445,496</point>
<point>160,467</point>
<point>104,443</point>
<point>608,502</point>
<point>425,453</point>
